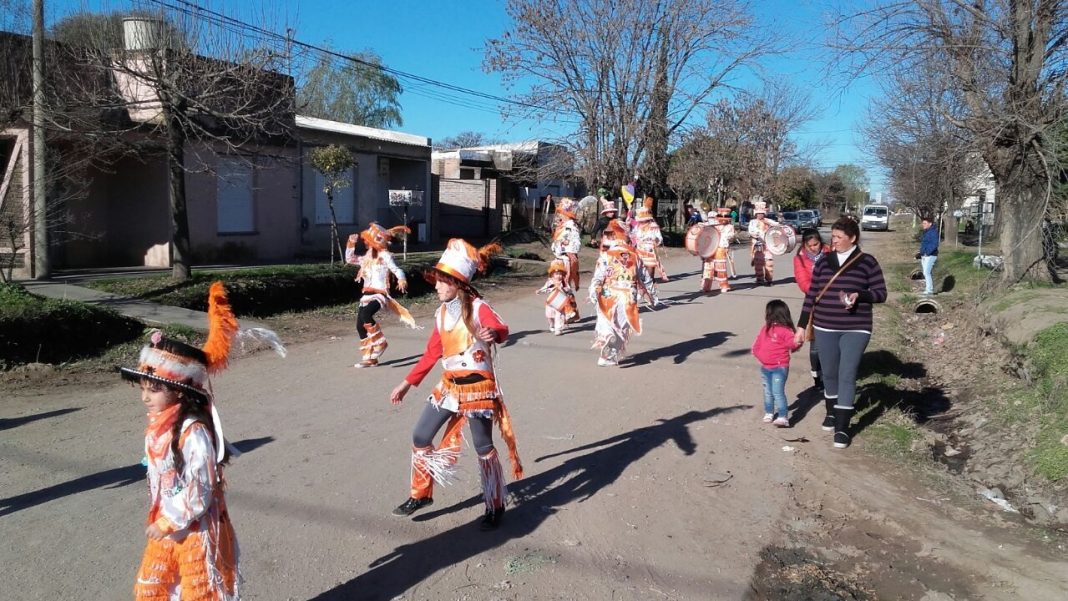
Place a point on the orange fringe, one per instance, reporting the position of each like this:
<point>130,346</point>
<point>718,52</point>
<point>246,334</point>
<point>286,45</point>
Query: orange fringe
<point>222,325</point>
<point>504,423</point>
<point>485,253</point>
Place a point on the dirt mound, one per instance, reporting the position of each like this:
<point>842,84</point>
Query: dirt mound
<point>1022,314</point>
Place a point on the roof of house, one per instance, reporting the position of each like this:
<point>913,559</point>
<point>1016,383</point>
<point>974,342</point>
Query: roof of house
<point>306,122</point>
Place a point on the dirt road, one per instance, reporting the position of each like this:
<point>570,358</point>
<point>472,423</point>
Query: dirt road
<point>654,480</point>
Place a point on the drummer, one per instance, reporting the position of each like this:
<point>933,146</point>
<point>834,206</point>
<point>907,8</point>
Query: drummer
<point>715,265</point>
<point>762,262</point>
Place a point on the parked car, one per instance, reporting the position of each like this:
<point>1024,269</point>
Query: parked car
<point>807,218</point>
<point>819,217</point>
<point>792,219</point>
<point>875,217</point>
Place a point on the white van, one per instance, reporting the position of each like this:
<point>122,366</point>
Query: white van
<point>875,217</point>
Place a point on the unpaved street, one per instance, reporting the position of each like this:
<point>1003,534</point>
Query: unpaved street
<point>655,480</point>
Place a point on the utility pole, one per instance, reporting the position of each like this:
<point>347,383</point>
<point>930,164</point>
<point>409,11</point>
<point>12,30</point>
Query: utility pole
<point>41,264</point>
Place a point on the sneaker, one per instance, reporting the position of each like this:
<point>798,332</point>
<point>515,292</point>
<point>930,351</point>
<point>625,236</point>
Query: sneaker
<point>602,362</point>
<point>491,519</point>
<point>412,505</point>
<point>769,417</point>
<point>841,440</point>
<point>828,423</point>
<point>558,332</point>
<point>367,363</point>
<point>781,422</point>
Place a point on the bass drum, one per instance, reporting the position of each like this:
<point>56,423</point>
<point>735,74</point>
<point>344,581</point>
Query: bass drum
<point>780,240</point>
<point>702,240</point>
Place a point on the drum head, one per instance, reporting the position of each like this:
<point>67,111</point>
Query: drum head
<point>781,240</point>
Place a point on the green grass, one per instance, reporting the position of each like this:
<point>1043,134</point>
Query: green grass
<point>36,329</point>
<point>1049,357</point>
<point>893,435</point>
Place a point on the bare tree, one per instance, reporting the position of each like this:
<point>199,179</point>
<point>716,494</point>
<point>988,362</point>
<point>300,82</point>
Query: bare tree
<point>744,145</point>
<point>75,103</point>
<point>629,72</point>
<point>191,79</point>
<point>465,139</point>
<point>1005,60</point>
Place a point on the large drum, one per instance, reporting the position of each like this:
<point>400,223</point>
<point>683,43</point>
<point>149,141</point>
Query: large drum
<point>780,239</point>
<point>702,240</point>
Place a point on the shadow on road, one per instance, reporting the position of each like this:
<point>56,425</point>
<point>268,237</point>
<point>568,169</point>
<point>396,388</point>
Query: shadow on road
<point>113,478</point>
<point>536,498</point>
<point>680,350</point>
<point>14,422</point>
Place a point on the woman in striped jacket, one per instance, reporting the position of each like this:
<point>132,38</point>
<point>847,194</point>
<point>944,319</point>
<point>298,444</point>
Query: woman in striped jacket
<point>842,320</point>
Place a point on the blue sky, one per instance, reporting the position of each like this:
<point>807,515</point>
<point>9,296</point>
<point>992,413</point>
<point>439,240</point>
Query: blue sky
<point>443,40</point>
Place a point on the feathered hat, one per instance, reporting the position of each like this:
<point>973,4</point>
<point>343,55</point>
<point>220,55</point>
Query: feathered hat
<point>186,368</point>
<point>723,214</point>
<point>645,212</point>
<point>760,207</point>
<point>607,206</point>
<point>617,231</point>
<point>566,207</point>
<point>461,262</point>
<point>378,237</point>
<point>557,265</point>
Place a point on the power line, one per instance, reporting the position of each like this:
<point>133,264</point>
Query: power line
<point>228,22</point>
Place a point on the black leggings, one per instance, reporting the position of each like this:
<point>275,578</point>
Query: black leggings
<point>366,315</point>
<point>814,358</point>
<point>432,419</point>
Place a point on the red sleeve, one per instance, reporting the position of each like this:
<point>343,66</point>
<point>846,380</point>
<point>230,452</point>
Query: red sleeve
<point>426,362</point>
<point>802,274</point>
<point>489,318</point>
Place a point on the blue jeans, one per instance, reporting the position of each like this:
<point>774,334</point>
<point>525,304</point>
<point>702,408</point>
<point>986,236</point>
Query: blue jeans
<point>927,264</point>
<point>775,390</point>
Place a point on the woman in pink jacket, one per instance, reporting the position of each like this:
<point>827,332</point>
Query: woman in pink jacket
<point>772,348</point>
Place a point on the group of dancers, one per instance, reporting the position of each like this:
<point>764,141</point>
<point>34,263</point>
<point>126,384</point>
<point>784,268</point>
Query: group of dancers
<point>192,552</point>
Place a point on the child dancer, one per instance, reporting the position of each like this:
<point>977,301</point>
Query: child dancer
<point>618,279</point>
<point>191,549</point>
<point>375,266</point>
<point>772,348</point>
<point>465,332</point>
<point>560,304</point>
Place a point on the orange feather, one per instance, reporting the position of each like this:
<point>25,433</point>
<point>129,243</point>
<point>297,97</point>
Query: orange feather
<point>486,253</point>
<point>222,326</point>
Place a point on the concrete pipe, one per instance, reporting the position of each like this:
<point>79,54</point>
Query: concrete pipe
<point>927,305</point>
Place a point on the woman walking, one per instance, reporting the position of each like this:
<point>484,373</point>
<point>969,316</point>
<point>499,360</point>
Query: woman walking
<point>838,306</point>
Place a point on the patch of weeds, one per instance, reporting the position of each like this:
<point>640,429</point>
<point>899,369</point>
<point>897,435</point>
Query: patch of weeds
<point>529,562</point>
<point>1049,356</point>
<point>893,435</point>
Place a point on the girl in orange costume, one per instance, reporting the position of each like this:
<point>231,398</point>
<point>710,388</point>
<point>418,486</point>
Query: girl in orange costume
<point>376,265</point>
<point>560,304</point>
<point>619,279</point>
<point>191,552</point>
<point>465,332</point>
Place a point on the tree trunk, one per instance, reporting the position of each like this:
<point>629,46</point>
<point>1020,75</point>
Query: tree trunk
<point>1022,203</point>
<point>335,240</point>
<point>180,255</point>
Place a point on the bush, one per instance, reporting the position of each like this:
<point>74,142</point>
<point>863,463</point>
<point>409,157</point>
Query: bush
<point>39,330</point>
<point>261,292</point>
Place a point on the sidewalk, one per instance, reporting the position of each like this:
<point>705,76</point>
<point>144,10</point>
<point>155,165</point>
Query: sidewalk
<point>151,313</point>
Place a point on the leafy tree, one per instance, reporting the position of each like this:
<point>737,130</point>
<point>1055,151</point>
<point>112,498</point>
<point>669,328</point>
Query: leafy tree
<point>356,91</point>
<point>334,162</point>
<point>855,181</point>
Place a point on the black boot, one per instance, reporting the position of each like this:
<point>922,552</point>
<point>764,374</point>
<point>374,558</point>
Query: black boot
<point>828,421</point>
<point>841,427</point>
<point>492,519</point>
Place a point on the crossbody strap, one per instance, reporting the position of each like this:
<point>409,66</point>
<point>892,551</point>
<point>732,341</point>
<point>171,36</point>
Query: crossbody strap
<point>834,277</point>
